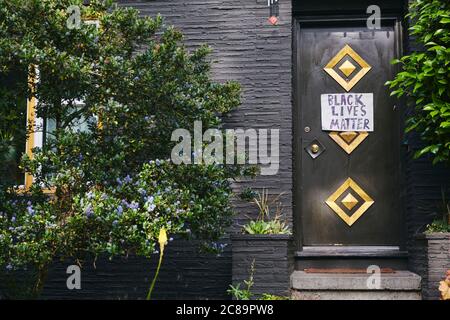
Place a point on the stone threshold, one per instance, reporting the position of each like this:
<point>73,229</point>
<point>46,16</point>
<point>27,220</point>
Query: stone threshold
<point>401,285</point>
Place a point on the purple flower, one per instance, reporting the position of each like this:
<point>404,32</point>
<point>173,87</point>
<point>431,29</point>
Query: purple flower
<point>151,207</point>
<point>9,267</point>
<point>30,210</point>
<point>89,211</point>
<point>134,205</point>
<point>127,179</point>
<point>115,222</point>
<point>120,210</point>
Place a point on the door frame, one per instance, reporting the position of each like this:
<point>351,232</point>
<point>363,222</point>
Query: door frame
<point>395,20</point>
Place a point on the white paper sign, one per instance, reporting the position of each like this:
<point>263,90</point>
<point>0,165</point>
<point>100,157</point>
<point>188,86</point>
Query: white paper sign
<point>347,112</point>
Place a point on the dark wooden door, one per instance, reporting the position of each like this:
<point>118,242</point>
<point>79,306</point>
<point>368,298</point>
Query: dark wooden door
<point>358,172</point>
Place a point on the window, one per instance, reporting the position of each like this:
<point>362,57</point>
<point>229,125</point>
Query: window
<point>13,125</point>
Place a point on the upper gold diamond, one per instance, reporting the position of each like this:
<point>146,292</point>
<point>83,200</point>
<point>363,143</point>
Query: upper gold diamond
<point>347,68</point>
<point>349,201</point>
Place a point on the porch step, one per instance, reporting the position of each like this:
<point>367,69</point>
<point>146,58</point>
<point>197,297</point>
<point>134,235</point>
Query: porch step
<point>351,257</point>
<point>400,285</point>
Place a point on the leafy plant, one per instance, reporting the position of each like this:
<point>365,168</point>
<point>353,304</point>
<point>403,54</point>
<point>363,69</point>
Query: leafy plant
<point>425,77</point>
<point>265,223</point>
<point>442,223</point>
<point>246,293</point>
<point>114,191</point>
<point>248,194</point>
<point>267,296</point>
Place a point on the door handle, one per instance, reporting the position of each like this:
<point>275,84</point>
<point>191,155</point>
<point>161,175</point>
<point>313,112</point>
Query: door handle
<point>315,148</point>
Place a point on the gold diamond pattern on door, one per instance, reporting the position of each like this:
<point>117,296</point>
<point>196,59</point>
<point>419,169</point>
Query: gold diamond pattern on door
<point>347,68</point>
<point>344,208</point>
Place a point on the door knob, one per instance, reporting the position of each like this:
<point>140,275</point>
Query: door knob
<point>315,148</point>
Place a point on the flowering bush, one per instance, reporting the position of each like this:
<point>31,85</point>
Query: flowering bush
<point>127,215</point>
<point>137,83</point>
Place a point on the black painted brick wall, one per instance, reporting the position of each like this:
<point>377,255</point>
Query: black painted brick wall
<point>186,273</point>
<point>272,259</point>
<point>430,258</point>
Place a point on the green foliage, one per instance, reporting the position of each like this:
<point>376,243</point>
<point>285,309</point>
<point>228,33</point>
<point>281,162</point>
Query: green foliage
<point>248,194</point>
<point>241,294</point>
<point>438,225</point>
<point>265,223</point>
<point>274,226</point>
<point>112,194</point>
<point>442,223</point>
<point>425,77</point>
<point>266,296</point>
<point>246,293</point>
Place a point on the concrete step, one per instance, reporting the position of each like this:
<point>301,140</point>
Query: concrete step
<point>401,285</point>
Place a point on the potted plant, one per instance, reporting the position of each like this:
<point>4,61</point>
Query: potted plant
<point>267,241</point>
<point>433,252</point>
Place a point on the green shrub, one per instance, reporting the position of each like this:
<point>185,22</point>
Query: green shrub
<point>425,77</point>
<point>113,194</point>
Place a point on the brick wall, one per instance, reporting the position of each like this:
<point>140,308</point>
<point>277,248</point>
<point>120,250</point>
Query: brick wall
<point>186,273</point>
<point>272,259</point>
<point>430,258</point>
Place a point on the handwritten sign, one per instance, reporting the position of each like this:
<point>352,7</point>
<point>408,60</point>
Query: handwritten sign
<point>347,112</point>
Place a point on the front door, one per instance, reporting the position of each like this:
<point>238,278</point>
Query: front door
<point>348,131</point>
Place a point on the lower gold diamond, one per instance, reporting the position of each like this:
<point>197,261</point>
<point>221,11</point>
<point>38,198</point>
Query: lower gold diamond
<point>349,202</point>
<point>348,141</point>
